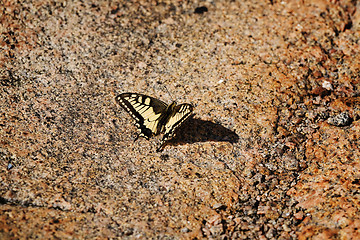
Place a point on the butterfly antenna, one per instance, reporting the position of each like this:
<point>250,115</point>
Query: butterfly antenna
<point>169,93</point>
<point>159,149</point>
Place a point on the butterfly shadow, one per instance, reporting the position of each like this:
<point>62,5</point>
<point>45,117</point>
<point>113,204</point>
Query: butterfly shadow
<point>197,130</point>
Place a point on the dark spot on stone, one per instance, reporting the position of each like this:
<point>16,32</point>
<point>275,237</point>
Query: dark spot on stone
<point>356,181</point>
<point>340,120</point>
<point>200,10</point>
<point>164,157</point>
<point>114,11</point>
<point>3,200</point>
<point>320,91</point>
<point>55,221</point>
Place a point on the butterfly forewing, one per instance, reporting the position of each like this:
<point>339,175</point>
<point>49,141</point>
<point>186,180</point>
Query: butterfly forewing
<point>146,111</point>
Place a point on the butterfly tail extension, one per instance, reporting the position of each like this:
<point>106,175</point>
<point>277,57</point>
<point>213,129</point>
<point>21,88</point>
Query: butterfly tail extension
<point>161,148</point>
<point>163,144</point>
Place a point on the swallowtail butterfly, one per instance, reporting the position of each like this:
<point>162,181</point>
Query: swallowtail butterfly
<point>153,116</point>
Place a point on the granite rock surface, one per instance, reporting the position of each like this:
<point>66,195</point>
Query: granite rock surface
<point>271,153</point>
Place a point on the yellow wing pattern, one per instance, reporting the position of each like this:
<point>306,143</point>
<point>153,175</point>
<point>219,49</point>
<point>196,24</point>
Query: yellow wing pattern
<point>180,114</point>
<point>153,116</point>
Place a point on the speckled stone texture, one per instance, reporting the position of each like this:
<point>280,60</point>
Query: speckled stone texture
<point>271,153</point>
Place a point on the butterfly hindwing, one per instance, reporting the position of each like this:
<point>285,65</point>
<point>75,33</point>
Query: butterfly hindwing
<point>146,111</point>
<point>179,115</point>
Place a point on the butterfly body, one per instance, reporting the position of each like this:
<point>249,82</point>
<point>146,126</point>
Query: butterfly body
<point>153,116</point>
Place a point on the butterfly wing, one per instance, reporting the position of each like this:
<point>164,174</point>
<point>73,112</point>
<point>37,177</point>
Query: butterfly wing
<point>146,111</point>
<point>177,117</point>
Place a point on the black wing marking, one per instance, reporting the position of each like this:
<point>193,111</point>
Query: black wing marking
<point>146,111</point>
<point>180,114</point>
